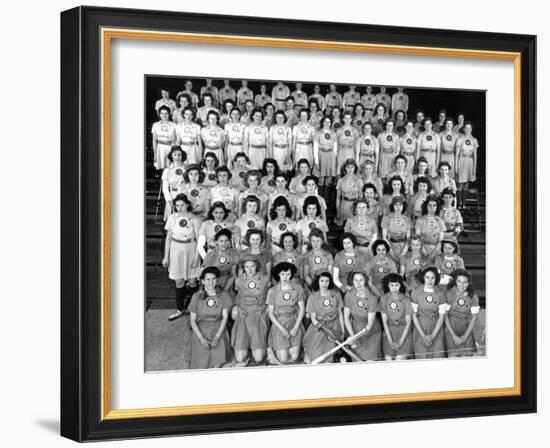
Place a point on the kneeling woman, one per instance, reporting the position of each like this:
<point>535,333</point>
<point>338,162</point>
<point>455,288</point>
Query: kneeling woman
<point>209,310</point>
<point>224,258</point>
<point>396,311</point>
<point>250,314</point>
<point>324,306</point>
<point>286,310</point>
<point>360,308</point>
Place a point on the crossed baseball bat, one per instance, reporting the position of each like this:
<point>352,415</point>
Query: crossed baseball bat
<point>339,345</point>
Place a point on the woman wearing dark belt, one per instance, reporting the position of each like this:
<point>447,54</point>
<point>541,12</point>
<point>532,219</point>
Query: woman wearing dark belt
<point>368,100</point>
<point>164,136</point>
<point>429,308</point>
<point>324,153</point>
<point>180,252</point>
<point>281,222</point>
<point>407,146</point>
<point>209,311</point>
<point>302,138</point>
<point>255,140</point>
<point>346,137</point>
<point>348,189</point>
<point>367,147</point>
<point>379,266</point>
<point>360,308</point>
<point>413,262</point>
<point>214,223</point>
<point>389,149</point>
<point>448,145</point>
<point>279,142</point>
<point>279,94</point>
<point>213,137</point>
<point>466,162</point>
<point>189,136</point>
<point>286,309</point>
<point>430,227</point>
<point>346,261</point>
<point>234,137</point>
<point>198,194</point>
<point>396,228</point>
<point>172,177</point>
<point>362,226</point>
<point>428,145</point>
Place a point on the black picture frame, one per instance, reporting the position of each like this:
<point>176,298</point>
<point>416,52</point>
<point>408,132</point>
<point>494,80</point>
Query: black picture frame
<point>81,209</point>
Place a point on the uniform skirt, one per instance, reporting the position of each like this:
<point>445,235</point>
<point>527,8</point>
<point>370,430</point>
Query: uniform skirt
<point>327,164</point>
<point>304,152</point>
<point>205,358</point>
<point>430,157</point>
<point>460,325</point>
<point>437,349</point>
<point>369,344</point>
<point>193,154</point>
<point>345,211</point>
<point>410,163</point>
<point>167,211</point>
<point>450,159</point>
<point>396,331</point>
<point>396,249</point>
<point>343,155</point>
<point>250,332</point>
<point>181,258</point>
<point>465,170</point>
<point>315,341</point>
<point>281,156</point>
<point>161,157</point>
<point>257,157</point>
<point>385,164</point>
<point>278,341</point>
<point>232,151</point>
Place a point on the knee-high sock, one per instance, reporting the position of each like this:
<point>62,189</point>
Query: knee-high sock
<point>180,298</point>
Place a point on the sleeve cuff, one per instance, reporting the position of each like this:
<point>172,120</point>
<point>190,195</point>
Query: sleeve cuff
<point>443,308</point>
<point>474,309</point>
<point>414,307</point>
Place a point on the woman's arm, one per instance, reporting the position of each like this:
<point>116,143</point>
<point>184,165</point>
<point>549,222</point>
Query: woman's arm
<point>301,312</point>
<point>387,332</point>
<point>307,276</point>
<point>470,328</point>
<point>336,278</point>
<point>231,281</point>
<point>406,330</point>
<point>451,330</point>
<point>273,318</point>
<point>166,259</point>
<point>223,323</point>
<point>201,243</point>
<point>341,321</point>
<point>438,325</point>
<point>347,321</point>
<point>194,326</point>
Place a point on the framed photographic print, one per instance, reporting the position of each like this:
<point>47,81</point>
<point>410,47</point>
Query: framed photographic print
<point>276,224</point>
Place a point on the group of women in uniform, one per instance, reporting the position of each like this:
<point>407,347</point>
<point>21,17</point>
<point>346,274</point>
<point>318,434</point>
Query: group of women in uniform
<point>247,223</point>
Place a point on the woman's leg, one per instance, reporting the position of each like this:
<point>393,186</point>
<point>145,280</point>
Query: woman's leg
<point>241,355</point>
<point>282,356</point>
<point>258,354</point>
<point>294,353</point>
<point>180,299</point>
<point>389,357</point>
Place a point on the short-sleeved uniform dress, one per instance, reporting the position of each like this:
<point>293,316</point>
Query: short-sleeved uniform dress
<point>397,226</point>
<point>280,137</point>
<point>396,308</point>
<point>414,207</point>
<point>428,306</point>
<point>413,265</point>
<point>214,138</point>
<point>234,134</point>
<point>346,137</point>
<point>360,307</point>
<point>318,263</point>
<point>172,178</point>
<point>367,146</point>
<point>465,147</point>
<point>250,331</point>
<point>256,136</point>
<point>209,228</point>
<point>224,261</point>
<point>286,310</point>
<point>303,135</point>
<point>226,194</point>
<point>440,184</point>
<point>350,187</point>
<point>428,142</point>
<point>452,219</point>
<point>326,308</point>
<point>349,262</point>
<point>188,135</point>
<point>199,195</point>
<point>305,225</point>
<point>209,311</point>
<point>462,308</point>
<point>183,246</point>
<point>245,223</point>
<point>446,265</point>
<point>448,145</point>
<point>326,141</point>
<point>363,229</point>
<point>210,178</point>
<point>429,228</point>
<point>166,137</point>
<point>263,258</point>
<point>377,269</point>
<point>277,228</point>
<point>407,148</point>
<point>389,148</point>
<point>296,186</point>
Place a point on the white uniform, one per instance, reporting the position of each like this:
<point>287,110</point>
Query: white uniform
<point>166,137</point>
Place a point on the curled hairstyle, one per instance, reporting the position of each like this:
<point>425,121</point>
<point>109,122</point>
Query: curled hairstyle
<point>379,242</point>
<point>315,283</point>
<point>388,189</point>
<point>462,273</point>
<point>194,167</point>
<point>348,162</point>
<point>255,200</point>
<point>281,113</point>
<point>422,180</point>
<point>241,154</point>
<point>393,278</point>
<point>309,177</point>
<point>215,205</point>
<point>210,270</point>
<point>431,198</point>
<point>184,198</point>
<point>174,149</point>
<point>223,232</point>
<point>347,235</point>
<point>279,202</point>
<point>349,279</point>
<point>252,173</point>
<point>273,162</point>
<point>289,234</point>
<point>257,110</point>
<point>213,112</point>
<point>418,161</point>
<point>251,232</point>
<point>402,201</point>
<point>311,200</point>
<point>213,156</point>
<point>224,169</point>
<point>370,185</point>
<point>283,267</point>
<point>164,108</point>
<point>423,272</point>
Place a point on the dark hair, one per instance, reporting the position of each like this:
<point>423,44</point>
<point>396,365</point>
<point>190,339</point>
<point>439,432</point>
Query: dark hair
<point>423,272</point>
<point>193,167</point>
<point>389,120</point>
<point>431,198</point>
<point>243,260</point>
<point>388,189</point>
<point>252,198</point>
<point>443,163</point>
<point>294,239</point>
<point>452,242</point>
<point>426,119</point>
<point>166,108</point>
<point>214,156</point>
<point>317,233</point>
<point>257,110</point>
<point>254,173</point>
<point>348,162</point>
<point>236,108</point>
<point>224,169</point>
<point>266,105</point>
<point>310,177</point>
<point>448,191</point>
<point>380,105</point>
<point>282,113</point>
<point>464,273</point>
<point>184,198</point>
<point>175,148</point>
<point>273,162</point>
<point>393,277</point>
<point>283,267</point>
<point>190,108</point>
<point>241,154</point>
<point>377,243</point>
<point>311,101</point>
<point>422,180</point>
<point>303,161</point>
<point>213,112</point>
<point>229,101</point>
<point>420,159</point>
<point>370,185</point>
<point>278,202</point>
<point>357,202</point>
<point>469,123</point>
<point>400,157</point>
<point>403,201</point>
<point>186,95</point>
<point>281,174</point>
<point>210,270</point>
<point>217,204</point>
<point>315,283</point>
<point>349,280</point>
<point>223,232</point>
<point>303,109</point>
<point>347,235</point>
<point>251,232</point>
<point>311,200</point>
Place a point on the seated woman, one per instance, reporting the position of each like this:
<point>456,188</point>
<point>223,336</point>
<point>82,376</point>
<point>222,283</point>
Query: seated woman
<point>286,308</point>
<point>250,219</point>
<point>209,311</point>
<point>225,259</point>
<point>379,266</point>
<point>394,188</point>
<point>430,227</point>
<point>412,262</point>
<point>210,163</point>
<point>198,194</point>
<point>270,168</point>
<point>448,261</point>
<point>254,240</point>
<point>362,226</point>
<point>444,179</point>
<point>422,187</point>
<point>400,163</point>
<point>303,170</point>
<point>224,192</point>
<point>311,184</point>
<point>216,220</point>
<point>280,223</point>
<point>252,183</point>
<point>311,220</point>
<point>349,188</point>
<point>317,259</point>
<point>289,254</point>
<point>282,191</point>
<point>396,227</point>
<point>346,261</point>
<point>239,170</point>
<point>172,177</point>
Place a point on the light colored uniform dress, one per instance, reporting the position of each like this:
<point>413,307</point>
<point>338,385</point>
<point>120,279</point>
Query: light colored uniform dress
<point>188,135</point>
<point>333,99</point>
<point>465,147</point>
<point>326,147</point>
<point>446,265</point>
<point>209,311</point>
<point>429,144</point>
<point>227,93</point>
<point>414,207</point>
<point>183,246</point>
<point>428,306</point>
<point>369,102</point>
<point>351,98</point>
<point>315,120</point>
<point>407,148</point>
<point>448,145</point>
<point>453,221</point>
<point>260,100</point>
<point>397,226</point>
<point>259,193</point>
<point>385,99</point>
<point>389,148</point>
<point>237,179</point>
<point>363,229</point>
<point>234,133</point>
<point>428,228</point>
<point>349,262</point>
<point>213,138</point>
<point>405,177</point>
<point>296,186</point>
<point>440,184</point>
<point>212,90</point>
<point>172,178</point>
<point>377,269</point>
<point>202,113</point>
<point>243,95</point>
<point>279,94</point>
<point>413,265</point>
<point>320,100</point>
<point>462,308</point>
<point>346,137</point>
<point>198,195</point>
<point>300,99</point>
<point>166,137</point>
<point>400,101</point>
<point>245,223</point>
<point>209,228</point>
<point>396,309</point>
<point>303,134</point>
<point>286,310</point>
<point>277,228</point>
<point>169,103</point>
<point>305,225</point>
<point>370,343</point>
<point>327,310</point>
<point>256,147</point>
<point>367,145</point>
<point>350,188</point>
<point>280,138</point>
<point>226,194</point>
<point>210,178</point>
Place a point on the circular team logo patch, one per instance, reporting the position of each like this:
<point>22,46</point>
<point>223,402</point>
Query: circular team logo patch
<point>211,177</point>
<point>242,174</point>
<point>380,121</point>
<point>359,122</point>
<point>429,138</point>
<point>409,141</point>
<point>217,228</point>
<point>282,227</point>
<point>380,269</point>
<point>449,137</point>
<point>290,260</point>
<point>327,303</point>
<point>164,128</point>
<point>400,97</point>
<point>367,141</point>
<point>337,125</point>
<point>461,302</point>
<point>224,192</point>
<point>179,172</point>
<point>280,89</point>
<point>360,304</point>
<point>251,224</point>
<point>280,131</point>
<point>210,303</point>
<point>468,142</point>
<point>351,183</point>
<point>334,97</point>
<point>327,135</point>
<point>347,132</point>
<point>257,130</point>
<point>252,285</point>
<point>303,130</point>
<point>245,92</point>
<point>299,95</point>
<point>389,138</point>
<point>271,182</point>
<point>187,129</point>
<point>431,224</point>
<point>317,260</point>
<point>286,296</point>
<point>361,225</point>
<point>430,299</point>
<point>416,262</point>
<point>183,222</point>
<point>349,261</point>
<point>213,133</point>
<point>311,225</point>
<point>393,306</point>
<point>235,128</point>
<point>398,222</point>
<point>448,214</point>
<point>448,265</point>
<point>194,193</point>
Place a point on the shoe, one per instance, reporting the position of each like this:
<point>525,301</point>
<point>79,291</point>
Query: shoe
<point>176,315</point>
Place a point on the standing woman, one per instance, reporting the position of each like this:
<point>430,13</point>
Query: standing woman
<point>315,115</point>
<point>407,146</point>
<point>213,137</point>
<point>428,145</point>
<point>286,309</point>
<point>227,107</point>
<point>429,308</point>
<point>279,142</point>
<point>215,222</point>
<point>430,227</point>
<point>412,263</point>
<point>379,266</point>
<point>254,241</point>
<point>250,219</point>
<point>198,194</point>
<point>450,215</point>
<point>448,261</point>
<point>333,99</point>
<point>210,164</point>
<point>378,119</point>
<point>172,177</point>
<point>325,150</point>
<point>238,172</point>
<point>396,311</point>
<point>367,147</point>
<point>400,120</point>
<point>269,172</point>
<point>394,188</point>
<point>444,180</point>
<point>346,261</point>
<point>349,189</point>
<point>209,312</point>
<point>182,100</point>
<point>250,314</point>
<point>448,145</point>
<point>396,227</point>
<point>400,164</point>
<point>225,192</point>
<point>310,182</point>
<point>369,176</point>
<point>164,136</point>
<point>421,188</point>
<point>302,138</point>
<point>346,137</point>
<point>389,148</point>
<point>180,252</point>
<point>362,226</point>
<point>234,136</point>
<point>281,191</point>
<point>296,184</point>
<point>312,220</point>
<point>281,222</point>
<point>461,318</point>
<point>255,140</point>
<point>189,136</point>
<point>324,307</point>
<point>317,259</point>
<point>252,182</point>
<point>336,115</point>
<point>289,253</point>
<point>466,162</point>
<point>360,308</point>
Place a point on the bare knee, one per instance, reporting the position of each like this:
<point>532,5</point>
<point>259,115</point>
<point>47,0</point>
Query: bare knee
<point>180,282</point>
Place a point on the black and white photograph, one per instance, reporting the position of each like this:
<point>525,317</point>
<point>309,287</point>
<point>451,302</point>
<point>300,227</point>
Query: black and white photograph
<point>295,222</point>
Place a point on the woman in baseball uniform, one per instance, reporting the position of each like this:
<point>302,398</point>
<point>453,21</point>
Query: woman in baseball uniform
<point>346,261</point>
<point>252,181</point>
<point>448,145</point>
<point>279,142</point>
<point>396,227</point>
<point>450,215</point>
<point>407,146</point>
<point>379,119</point>
<point>369,176</point>
<point>430,227</point>
<point>400,164</point>
<point>269,171</point>
<point>250,219</point>
<point>312,220</point>
<point>346,137</point>
<point>412,263</point>
<point>209,164</point>
<point>400,118</point>
<point>317,259</point>
<point>255,140</point>
<point>394,188</point>
<point>325,150</point>
<point>286,309</point>
<point>358,117</point>
<point>362,226</point>
<point>421,169</point>
<point>238,172</point>
<point>428,145</point>
<point>389,148</point>
<point>444,180</point>
<point>234,136</point>
<point>459,126</point>
<point>196,192</point>
<point>189,136</point>
<point>315,115</point>
<point>182,100</point>
<point>421,188</point>
<point>164,136</point>
<point>333,99</point>
<point>379,266</point>
<point>247,111</point>
<point>227,107</point>
<point>254,242</point>
<point>216,220</point>
<point>281,222</point>
<point>466,162</point>
<point>172,177</point>
<point>349,188</point>
<point>296,184</point>
<point>213,137</point>
<point>209,312</point>
<point>279,94</point>
<point>396,310</point>
<point>180,251</point>
<point>312,188</point>
<point>290,254</point>
<point>367,146</point>
<point>302,138</point>
<point>448,261</point>
<point>374,209</point>
<point>281,191</point>
<point>336,114</point>
<point>225,192</point>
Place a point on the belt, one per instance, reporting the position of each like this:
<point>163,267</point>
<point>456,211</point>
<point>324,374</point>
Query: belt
<point>236,143</point>
<point>329,149</point>
<point>276,145</point>
<point>397,239</point>
<point>173,188</point>
<point>189,143</point>
<point>427,150</point>
<point>257,146</point>
<point>467,156</point>
<point>214,148</point>
<point>408,154</point>
<point>367,244</point>
<point>309,142</point>
<point>190,240</point>
<point>447,152</point>
<point>163,143</point>
<point>210,319</point>
<point>346,147</point>
<point>328,319</point>
<point>348,199</point>
<point>368,108</point>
